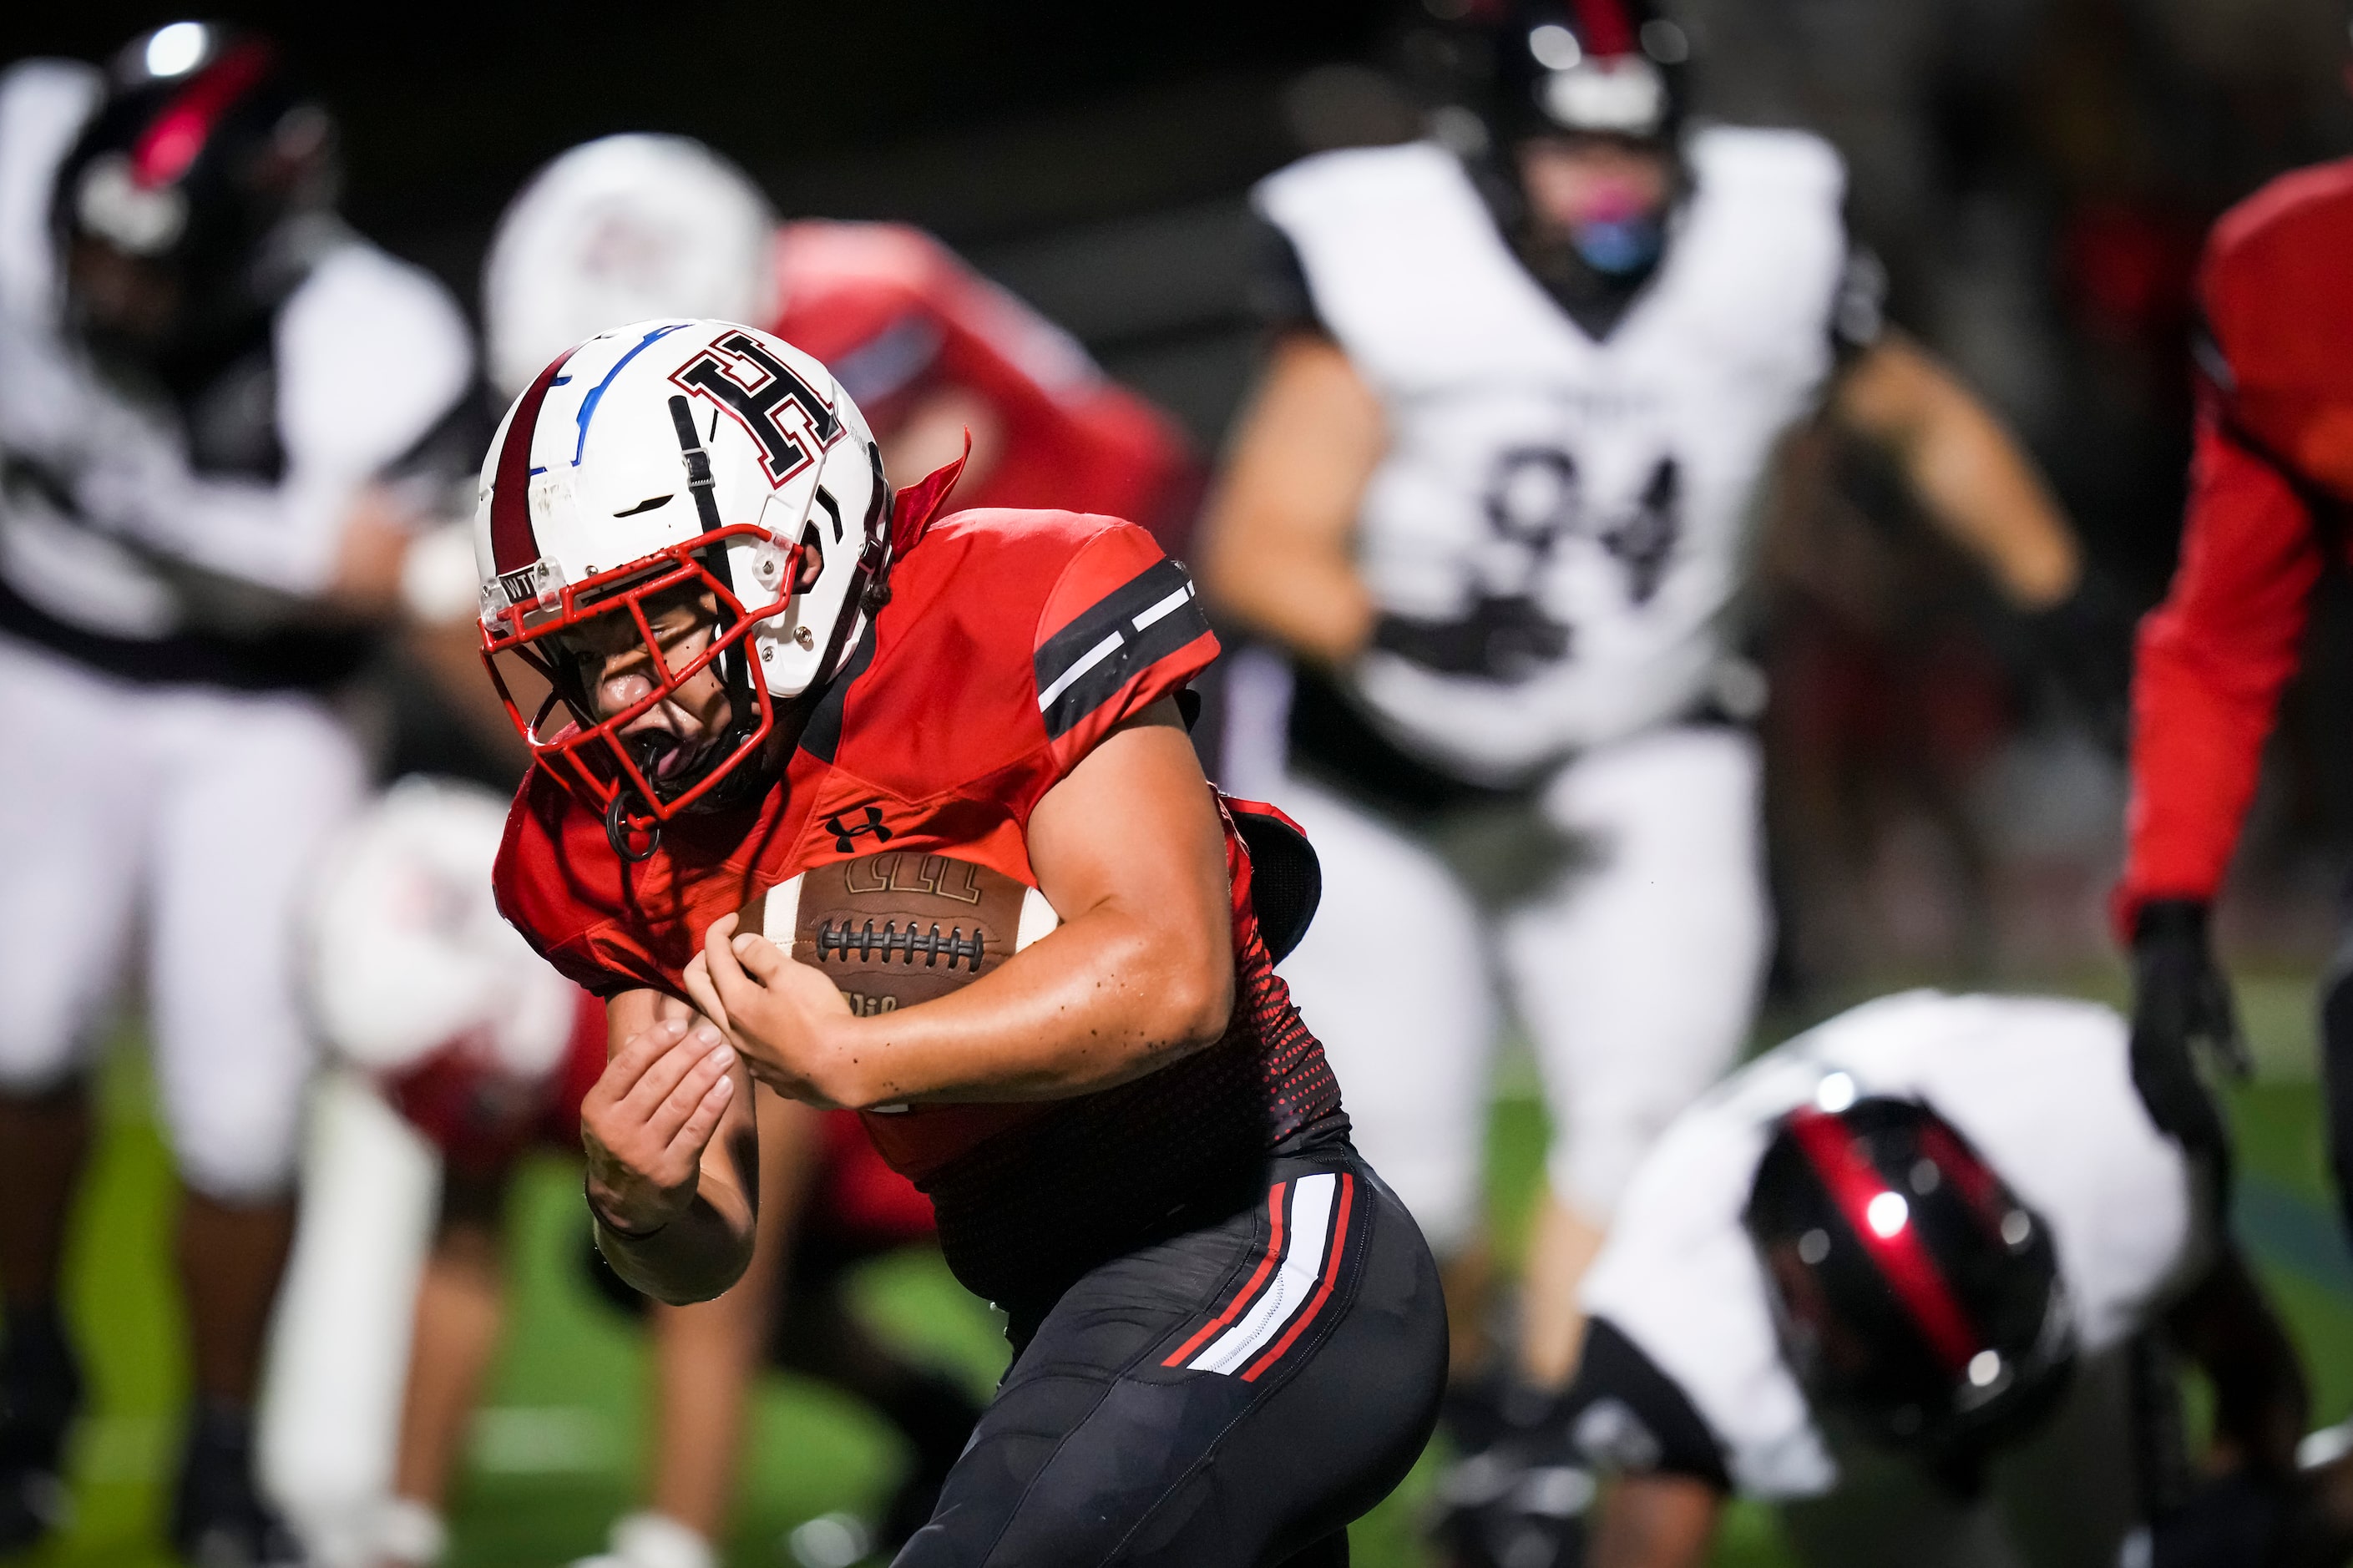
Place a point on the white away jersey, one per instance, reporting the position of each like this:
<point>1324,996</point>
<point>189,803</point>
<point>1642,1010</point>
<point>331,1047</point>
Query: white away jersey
<point>1610,483</point>
<point>121,517</point>
<point>2042,1088</point>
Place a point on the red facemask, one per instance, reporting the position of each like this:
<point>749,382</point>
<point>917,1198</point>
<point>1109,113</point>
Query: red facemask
<point>590,756</point>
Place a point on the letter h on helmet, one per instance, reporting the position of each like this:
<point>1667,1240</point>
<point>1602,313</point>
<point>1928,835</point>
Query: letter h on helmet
<point>695,456</point>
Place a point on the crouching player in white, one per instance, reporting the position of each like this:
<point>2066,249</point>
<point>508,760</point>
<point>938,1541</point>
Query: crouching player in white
<point>213,401</point>
<point>1496,501</point>
<point>1918,1276</point>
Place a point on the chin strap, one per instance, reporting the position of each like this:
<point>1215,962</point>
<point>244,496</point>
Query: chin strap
<point>617,830</point>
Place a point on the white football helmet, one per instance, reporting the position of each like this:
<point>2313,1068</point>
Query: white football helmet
<point>665,453</point>
<point>623,228</point>
<point>407,952</point>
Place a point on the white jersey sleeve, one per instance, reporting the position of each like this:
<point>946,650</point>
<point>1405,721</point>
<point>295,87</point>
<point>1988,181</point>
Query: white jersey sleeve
<point>370,354</point>
<point>43,106</point>
<point>2042,1088</point>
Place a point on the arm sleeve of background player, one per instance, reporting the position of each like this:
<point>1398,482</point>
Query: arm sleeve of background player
<point>940,322</point>
<point>1625,1415</point>
<point>1122,629</point>
<point>994,342</point>
<point>1280,296</point>
<point>2209,668</point>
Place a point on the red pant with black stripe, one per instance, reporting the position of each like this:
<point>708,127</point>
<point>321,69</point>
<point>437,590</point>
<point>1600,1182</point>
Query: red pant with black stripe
<point>1228,1398</point>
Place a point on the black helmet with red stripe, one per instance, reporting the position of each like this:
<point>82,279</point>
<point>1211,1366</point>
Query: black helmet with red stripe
<point>175,208</point>
<point>1570,67</point>
<point>1915,1295</point>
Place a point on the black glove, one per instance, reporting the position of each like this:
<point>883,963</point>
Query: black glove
<point>1502,639</point>
<point>2083,648</point>
<point>1516,1495</point>
<point>2181,998</point>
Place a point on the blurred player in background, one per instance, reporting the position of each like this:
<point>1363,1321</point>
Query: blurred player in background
<point>1494,500</point>
<point>1228,1334</point>
<point>1921,1276</point>
<point>634,226</point>
<point>2269,485</point>
<point>218,407</point>
<point>488,1052</point>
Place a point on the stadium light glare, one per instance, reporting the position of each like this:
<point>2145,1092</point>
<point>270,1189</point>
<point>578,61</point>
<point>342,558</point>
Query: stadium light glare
<point>175,49</point>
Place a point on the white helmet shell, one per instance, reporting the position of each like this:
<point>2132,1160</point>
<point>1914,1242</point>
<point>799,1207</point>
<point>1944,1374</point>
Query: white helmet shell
<point>405,950</point>
<point>652,438</point>
<point>620,229</point>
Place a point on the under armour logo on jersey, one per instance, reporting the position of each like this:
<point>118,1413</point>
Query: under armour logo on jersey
<point>763,395</point>
<point>845,834</point>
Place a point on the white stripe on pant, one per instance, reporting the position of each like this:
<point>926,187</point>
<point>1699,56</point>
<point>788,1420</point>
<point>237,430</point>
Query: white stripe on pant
<point>1305,1239</point>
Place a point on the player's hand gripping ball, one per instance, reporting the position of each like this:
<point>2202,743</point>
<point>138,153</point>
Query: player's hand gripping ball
<point>644,1124</point>
<point>867,936</point>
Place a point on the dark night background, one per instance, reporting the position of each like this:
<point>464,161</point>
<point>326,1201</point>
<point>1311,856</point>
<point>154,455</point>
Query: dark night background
<point>1053,142</point>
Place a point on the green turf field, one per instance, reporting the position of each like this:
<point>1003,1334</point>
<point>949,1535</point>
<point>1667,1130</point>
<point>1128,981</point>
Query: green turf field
<point>556,1452</point>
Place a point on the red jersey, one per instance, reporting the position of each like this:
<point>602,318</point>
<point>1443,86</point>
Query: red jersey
<point>1012,643</point>
<point>2275,445</point>
<point>894,314</point>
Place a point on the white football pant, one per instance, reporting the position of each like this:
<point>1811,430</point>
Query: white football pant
<point>192,817</point>
<point>1633,954</point>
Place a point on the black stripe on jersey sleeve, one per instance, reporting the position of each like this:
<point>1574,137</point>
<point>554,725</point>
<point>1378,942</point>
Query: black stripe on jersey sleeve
<point>1084,666</point>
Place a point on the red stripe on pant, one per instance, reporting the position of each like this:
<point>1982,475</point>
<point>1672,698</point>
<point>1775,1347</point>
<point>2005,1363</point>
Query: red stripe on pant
<point>1322,1291</point>
<point>1250,1291</point>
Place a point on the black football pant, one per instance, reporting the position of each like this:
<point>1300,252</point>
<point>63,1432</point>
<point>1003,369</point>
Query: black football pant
<point>1230,1398</point>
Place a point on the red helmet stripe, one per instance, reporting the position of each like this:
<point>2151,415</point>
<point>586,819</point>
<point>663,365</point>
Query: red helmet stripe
<point>1608,29</point>
<point>513,546</point>
<point>178,135</point>
<point>1903,1262</point>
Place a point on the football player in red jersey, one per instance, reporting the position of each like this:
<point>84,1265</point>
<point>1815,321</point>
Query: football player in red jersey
<point>634,225</point>
<point>756,662</point>
<point>2269,483</point>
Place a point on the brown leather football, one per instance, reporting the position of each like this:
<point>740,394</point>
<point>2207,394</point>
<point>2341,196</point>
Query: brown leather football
<point>899,927</point>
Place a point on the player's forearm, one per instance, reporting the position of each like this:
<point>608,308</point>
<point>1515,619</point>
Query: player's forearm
<point>1106,998</point>
<point>1966,470</point>
<point>697,1254</point>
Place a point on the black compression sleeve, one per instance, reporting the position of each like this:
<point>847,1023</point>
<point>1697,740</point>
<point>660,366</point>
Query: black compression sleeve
<point>1626,1416</point>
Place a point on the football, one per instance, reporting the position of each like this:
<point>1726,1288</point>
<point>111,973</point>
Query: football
<point>899,927</point>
